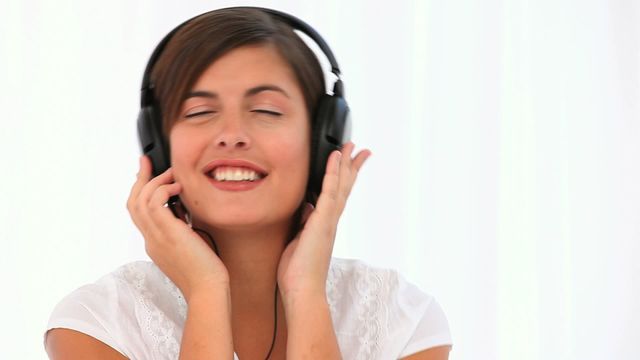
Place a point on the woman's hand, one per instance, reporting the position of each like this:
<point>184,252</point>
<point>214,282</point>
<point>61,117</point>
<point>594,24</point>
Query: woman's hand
<point>303,267</point>
<point>172,245</point>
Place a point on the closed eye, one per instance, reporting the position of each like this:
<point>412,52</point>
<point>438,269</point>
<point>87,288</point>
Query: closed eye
<point>268,112</point>
<point>199,113</point>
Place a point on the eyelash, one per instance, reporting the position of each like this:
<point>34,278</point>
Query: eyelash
<point>198,114</point>
<point>268,112</point>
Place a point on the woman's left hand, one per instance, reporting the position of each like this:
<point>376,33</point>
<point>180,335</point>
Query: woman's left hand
<point>304,265</point>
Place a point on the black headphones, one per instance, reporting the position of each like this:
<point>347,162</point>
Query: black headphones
<point>331,129</point>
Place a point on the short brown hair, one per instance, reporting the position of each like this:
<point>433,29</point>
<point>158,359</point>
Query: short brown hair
<point>209,36</point>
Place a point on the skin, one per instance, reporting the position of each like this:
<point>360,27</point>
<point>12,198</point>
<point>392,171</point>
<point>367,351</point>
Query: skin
<point>230,296</point>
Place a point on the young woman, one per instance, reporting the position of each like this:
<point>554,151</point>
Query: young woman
<point>245,270</point>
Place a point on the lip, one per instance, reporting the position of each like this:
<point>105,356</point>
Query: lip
<point>234,185</point>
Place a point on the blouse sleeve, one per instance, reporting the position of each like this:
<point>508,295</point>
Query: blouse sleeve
<point>89,310</point>
<point>432,328</point>
<point>432,331</point>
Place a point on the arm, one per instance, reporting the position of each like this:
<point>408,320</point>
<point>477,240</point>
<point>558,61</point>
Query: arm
<point>310,330</point>
<point>303,267</point>
<point>73,345</point>
<point>188,261</point>
<point>436,353</point>
<point>207,331</point>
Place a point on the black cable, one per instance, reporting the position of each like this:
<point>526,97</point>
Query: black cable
<point>275,321</point>
<point>213,245</point>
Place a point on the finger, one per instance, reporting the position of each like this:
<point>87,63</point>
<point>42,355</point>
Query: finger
<point>158,211</point>
<point>142,177</point>
<point>144,173</point>
<point>346,185</point>
<point>330,184</point>
<point>360,158</point>
<point>348,174</point>
<point>151,186</point>
<point>347,148</point>
<point>162,194</point>
<point>345,162</point>
<point>143,190</point>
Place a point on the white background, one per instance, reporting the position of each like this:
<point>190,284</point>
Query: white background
<point>504,176</point>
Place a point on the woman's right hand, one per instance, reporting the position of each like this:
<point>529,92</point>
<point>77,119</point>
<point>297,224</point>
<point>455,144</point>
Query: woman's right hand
<point>173,246</point>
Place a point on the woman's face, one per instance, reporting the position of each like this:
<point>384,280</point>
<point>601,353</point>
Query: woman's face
<point>239,162</point>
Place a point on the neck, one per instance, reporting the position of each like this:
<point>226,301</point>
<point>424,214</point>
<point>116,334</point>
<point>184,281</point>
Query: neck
<point>252,258</point>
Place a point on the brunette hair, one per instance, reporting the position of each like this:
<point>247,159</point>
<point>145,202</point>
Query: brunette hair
<point>209,36</point>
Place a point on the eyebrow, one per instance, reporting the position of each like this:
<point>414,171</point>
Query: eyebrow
<point>250,92</point>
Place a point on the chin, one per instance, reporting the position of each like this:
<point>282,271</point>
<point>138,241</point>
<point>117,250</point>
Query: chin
<point>231,218</point>
<point>239,214</point>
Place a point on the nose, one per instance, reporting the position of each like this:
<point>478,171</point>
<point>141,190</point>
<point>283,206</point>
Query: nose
<point>232,136</point>
<point>232,143</point>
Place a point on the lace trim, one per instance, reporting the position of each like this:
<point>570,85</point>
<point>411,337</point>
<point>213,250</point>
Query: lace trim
<point>164,333</point>
<point>173,289</point>
<point>369,285</point>
<point>333,295</point>
<point>367,290</point>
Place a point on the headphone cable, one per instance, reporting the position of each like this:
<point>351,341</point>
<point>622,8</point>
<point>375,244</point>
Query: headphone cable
<point>275,321</point>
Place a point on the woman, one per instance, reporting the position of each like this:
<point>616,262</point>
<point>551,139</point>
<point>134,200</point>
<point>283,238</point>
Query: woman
<point>245,269</point>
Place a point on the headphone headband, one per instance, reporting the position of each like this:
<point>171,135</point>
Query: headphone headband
<point>146,89</point>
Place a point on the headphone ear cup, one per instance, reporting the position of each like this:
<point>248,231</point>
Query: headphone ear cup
<point>331,130</point>
<point>152,141</point>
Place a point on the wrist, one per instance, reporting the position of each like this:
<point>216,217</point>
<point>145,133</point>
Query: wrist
<point>296,303</point>
<point>310,331</point>
<point>209,290</point>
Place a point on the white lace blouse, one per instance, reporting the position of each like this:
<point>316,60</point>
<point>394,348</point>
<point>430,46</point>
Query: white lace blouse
<point>139,312</point>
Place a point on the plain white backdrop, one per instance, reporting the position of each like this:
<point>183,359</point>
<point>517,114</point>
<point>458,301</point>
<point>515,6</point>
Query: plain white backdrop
<point>504,176</point>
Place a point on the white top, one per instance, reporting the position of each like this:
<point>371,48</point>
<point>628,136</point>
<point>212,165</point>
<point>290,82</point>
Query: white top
<point>139,312</point>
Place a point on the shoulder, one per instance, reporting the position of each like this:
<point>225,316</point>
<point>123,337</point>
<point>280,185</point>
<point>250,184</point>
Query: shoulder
<point>377,312</point>
<point>128,309</point>
<point>353,284</point>
<point>126,281</point>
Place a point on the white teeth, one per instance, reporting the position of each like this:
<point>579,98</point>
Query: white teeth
<point>235,174</point>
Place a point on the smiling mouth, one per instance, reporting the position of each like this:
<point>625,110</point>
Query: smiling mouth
<point>235,174</point>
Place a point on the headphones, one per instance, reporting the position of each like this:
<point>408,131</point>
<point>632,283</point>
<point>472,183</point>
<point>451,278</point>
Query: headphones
<point>331,120</point>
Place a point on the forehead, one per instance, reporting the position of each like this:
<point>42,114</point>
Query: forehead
<point>248,66</point>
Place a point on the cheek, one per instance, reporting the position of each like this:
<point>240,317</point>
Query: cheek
<point>293,155</point>
<point>184,150</point>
